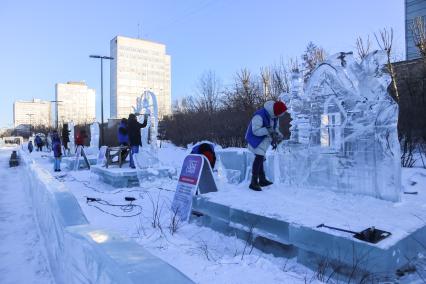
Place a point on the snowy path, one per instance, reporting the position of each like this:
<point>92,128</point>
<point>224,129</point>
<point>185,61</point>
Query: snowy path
<point>21,251</point>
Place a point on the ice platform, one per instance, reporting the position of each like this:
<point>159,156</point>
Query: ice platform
<point>290,218</point>
<point>128,177</point>
<point>69,162</point>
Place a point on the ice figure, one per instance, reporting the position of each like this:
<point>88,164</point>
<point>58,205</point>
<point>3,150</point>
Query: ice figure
<point>71,144</point>
<point>147,107</point>
<point>94,135</point>
<point>344,129</point>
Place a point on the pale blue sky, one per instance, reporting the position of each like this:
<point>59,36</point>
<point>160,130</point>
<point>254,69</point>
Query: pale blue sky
<point>45,42</point>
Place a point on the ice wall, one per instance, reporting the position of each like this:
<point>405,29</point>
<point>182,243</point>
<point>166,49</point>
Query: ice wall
<point>344,129</point>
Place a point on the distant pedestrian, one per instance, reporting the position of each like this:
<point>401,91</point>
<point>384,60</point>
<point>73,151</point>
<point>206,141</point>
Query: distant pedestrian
<point>30,146</point>
<point>65,136</point>
<point>261,133</point>
<point>57,152</point>
<point>134,133</point>
<point>81,138</point>
<point>39,143</point>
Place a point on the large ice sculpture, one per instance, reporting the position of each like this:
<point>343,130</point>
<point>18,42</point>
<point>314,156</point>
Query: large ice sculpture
<point>344,129</point>
<point>147,107</point>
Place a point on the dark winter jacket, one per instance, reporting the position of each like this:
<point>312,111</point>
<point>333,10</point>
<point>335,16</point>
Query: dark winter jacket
<point>30,146</point>
<point>65,134</point>
<point>38,141</point>
<point>56,146</point>
<point>123,137</point>
<point>134,130</point>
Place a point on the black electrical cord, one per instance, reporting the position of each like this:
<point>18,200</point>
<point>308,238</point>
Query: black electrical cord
<point>125,208</point>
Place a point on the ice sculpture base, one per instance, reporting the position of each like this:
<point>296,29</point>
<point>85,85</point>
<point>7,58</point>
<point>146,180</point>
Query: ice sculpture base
<point>69,162</point>
<point>128,177</point>
<point>290,217</point>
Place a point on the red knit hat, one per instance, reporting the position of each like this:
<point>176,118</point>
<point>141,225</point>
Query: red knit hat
<point>279,108</point>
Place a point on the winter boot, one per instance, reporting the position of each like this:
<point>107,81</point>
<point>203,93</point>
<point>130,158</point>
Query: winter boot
<point>263,181</point>
<point>254,185</point>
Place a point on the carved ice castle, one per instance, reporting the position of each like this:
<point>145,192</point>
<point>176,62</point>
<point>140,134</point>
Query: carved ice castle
<point>344,130</point>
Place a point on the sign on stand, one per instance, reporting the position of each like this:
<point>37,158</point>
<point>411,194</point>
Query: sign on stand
<point>196,174</point>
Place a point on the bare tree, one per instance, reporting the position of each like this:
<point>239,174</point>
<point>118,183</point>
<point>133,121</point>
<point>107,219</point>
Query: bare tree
<point>293,65</point>
<point>312,56</point>
<point>279,80</point>
<point>245,95</point>
<point>265,75</point>
<point>363,47</point>
<point>209,89</point>
<point>385,41</point>
<point>418,29</point>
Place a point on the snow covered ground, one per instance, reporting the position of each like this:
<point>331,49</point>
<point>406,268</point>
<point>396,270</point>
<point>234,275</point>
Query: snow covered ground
<point>201,253</point>
<point>22,258</point>
<point>210,257</point>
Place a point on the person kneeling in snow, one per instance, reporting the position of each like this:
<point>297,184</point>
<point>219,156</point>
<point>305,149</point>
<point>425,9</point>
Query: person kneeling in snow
<point>262,132</point>
<point>206,149</point>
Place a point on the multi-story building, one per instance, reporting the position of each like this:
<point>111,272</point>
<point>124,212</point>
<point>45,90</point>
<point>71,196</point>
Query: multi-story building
<point>75,102</point>
<point>413,9</point>
<point>34,113</point>
<point>138,66</point>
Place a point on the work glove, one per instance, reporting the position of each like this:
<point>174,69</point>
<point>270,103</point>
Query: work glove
<point>276,139</point>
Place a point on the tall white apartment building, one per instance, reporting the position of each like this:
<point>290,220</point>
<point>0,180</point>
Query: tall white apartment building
<point>76,102</point>
<point>35,113</point>
<point>138,66</point>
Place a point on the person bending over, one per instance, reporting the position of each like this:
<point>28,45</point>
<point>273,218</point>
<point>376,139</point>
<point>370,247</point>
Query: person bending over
<point>261,133</point>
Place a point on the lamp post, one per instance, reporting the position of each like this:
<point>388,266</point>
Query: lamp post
<point>56,112</point>
<point>102,92</point>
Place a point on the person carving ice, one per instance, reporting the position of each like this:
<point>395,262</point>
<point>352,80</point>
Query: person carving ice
<point>261,133</point>
<point>134,132</point>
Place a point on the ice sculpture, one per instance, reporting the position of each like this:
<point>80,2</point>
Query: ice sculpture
<point>344,129</point>
<point>147,107</point>
<point>94,135</point>
<point>71,144</point>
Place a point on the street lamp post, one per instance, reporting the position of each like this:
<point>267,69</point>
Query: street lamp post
<point>102,92</point>
<point>30,115</point>
<point>56,112</point>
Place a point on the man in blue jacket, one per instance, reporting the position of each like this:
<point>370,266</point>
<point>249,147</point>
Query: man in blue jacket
<point>261,133</point>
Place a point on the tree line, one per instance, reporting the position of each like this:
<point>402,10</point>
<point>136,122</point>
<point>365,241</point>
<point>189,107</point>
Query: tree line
<point>221,114</point>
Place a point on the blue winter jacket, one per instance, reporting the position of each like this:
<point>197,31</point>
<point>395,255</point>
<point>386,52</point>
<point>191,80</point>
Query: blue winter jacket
<point>123,136</point>
<point>56,145</point>
<point>38,140</point>
<point>255,140</point>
